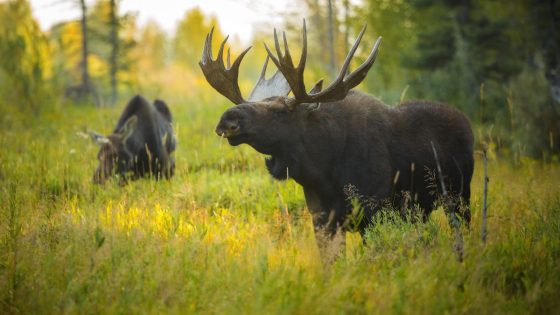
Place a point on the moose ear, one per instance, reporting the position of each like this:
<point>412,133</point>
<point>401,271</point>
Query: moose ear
<point>99,139</point>
<point>314,90</point>
<point>129,127</point>
<point>317,87</point>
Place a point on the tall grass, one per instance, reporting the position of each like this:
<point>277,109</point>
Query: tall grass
<point>223,237</point>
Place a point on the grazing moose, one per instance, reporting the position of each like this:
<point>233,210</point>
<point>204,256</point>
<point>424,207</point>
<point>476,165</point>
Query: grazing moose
<point>329,140</point>
<point>141,144</point>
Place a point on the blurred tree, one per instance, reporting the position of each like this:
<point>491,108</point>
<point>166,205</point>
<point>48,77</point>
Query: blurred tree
<point>150,51</point>
<point>114,42</point>
<point>85,88</point>
<point>347,8</point>
<point>66,44</point>
<point>534,95</point>
<point>24,57</point>
<point>105,53</point>
<point>487,57</point>
<point>325,47</point>
<point>392,20</point>
<point>544,16</point>
<point>189,37</point>
<point>151,57</point>
<point>330,41</point>
<point>459,46</point>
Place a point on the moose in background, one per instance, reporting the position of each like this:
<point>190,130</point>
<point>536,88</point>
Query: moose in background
<point>142,143</point>
<point>334,140</point>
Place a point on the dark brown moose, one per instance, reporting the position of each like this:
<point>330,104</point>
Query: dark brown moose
<point>142,143</point>
<point>339,143</point>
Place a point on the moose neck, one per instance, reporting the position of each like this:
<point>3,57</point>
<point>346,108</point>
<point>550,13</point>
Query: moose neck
<point>298,162</point>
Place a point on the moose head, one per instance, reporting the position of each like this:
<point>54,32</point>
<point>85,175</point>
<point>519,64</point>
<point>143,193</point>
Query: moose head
<point>271,121</point>
<point>114,157</point>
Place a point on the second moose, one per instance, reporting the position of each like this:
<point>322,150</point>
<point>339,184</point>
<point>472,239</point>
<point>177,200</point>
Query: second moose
<point>141,144</point>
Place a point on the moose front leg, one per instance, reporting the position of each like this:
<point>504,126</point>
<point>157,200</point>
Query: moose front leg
<point>327,224</point>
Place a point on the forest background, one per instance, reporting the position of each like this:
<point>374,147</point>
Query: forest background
<point>498,62</point>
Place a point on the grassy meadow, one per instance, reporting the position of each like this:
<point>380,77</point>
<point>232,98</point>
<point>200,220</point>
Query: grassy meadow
<point>222,237</point>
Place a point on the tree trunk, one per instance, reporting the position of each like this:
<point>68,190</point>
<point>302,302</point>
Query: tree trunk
<point>317,22</point>
<point>346,5</point>
<point>85,88</point>
<point>114,41</point>
<point>332,66</point>
<point>552,48</point>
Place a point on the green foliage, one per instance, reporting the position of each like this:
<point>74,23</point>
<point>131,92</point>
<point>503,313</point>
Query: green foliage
<point>190,35</point>
<point>66,42</point>
<point>386,79</point>
<point>475,55</point>
<point>151,52</point>
<point>435,35</point>
<point>24,57</point>
<point>534,118</point>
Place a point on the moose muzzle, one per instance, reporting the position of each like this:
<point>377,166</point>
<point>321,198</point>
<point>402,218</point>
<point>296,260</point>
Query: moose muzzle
<point>228,128</point>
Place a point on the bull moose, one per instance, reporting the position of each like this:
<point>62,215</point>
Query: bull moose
<point>331,139</point>
<point>142,143</point>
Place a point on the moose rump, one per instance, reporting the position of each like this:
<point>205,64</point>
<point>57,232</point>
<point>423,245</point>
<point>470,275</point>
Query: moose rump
<point>141,144</point>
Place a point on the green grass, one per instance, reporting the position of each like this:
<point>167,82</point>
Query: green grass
<point>223,237</point>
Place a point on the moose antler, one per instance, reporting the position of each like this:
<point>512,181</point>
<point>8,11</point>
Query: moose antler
<point>337,90</point>
<point>223,79</point>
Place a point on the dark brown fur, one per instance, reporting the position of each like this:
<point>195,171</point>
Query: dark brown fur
<point>141,143</point>
<point>358,142</point>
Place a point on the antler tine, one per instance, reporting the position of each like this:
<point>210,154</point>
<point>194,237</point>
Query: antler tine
<point>223,79</point>
<point>272,57</point>
<point>287,56</point>
<point>277,46</point>
<point>263,71</point>
<point>359,74</point>
<point>220,57</point>
<point>303,57</point>
<point>237,62</point>
<point>335,85</point>
<point>228,56</point>
<point>206,48</point>
<point>350,55</point>
<point>317,87</point>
